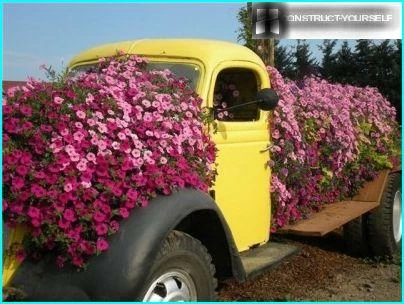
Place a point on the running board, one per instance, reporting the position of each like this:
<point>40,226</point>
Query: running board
<point>258,260</point>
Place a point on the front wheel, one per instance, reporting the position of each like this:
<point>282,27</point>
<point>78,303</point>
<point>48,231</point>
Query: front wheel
<point>385,224</point>
<point>183,272</point>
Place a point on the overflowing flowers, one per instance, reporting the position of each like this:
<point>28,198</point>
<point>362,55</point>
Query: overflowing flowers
<point>328,139</point>
<point>80,153</point>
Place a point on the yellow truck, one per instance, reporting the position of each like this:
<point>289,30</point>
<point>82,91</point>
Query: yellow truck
<point>180,245</point>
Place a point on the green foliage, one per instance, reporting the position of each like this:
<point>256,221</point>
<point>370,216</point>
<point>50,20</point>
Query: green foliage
<point>244,32</point>
<point>284,60</point>
<point>329,58</point>
<point>304,61</point>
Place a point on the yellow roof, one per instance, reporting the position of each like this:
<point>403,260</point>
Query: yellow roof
<point>208,51</point>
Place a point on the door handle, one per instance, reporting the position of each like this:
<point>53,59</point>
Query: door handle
<point>269,146</point>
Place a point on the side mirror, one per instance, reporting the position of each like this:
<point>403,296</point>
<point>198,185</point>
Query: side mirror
<point>267,99</point>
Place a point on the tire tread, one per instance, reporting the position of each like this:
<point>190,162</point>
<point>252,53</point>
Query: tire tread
<point>177,239</point>
<point>381,239</point>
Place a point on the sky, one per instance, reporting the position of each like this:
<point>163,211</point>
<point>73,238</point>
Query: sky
<point>51,34</point>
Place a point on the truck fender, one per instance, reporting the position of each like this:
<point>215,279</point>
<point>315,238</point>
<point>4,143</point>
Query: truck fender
<point>119,273</point>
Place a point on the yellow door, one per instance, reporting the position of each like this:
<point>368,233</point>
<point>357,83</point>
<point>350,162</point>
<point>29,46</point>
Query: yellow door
<point>242,184</point>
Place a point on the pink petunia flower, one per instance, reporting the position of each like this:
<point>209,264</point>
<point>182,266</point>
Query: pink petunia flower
<point>102,244</point>
<point>68,187</point>
<point>124,212</point>
<point>69,215</point>
<point>81,114</point>
<point>101,229</point>
<point>58,100</point>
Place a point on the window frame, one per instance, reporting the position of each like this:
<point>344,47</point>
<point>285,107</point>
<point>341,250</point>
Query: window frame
<point>262,78</point>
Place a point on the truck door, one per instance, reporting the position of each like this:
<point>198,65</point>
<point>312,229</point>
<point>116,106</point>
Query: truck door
<point>242,184</point>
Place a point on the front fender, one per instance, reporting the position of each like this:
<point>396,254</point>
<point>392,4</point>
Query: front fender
<point>119,273</point>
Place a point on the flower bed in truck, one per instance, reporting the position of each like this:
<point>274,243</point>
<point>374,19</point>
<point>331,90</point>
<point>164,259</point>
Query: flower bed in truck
<point>328,139</point>
<point>80,153</point>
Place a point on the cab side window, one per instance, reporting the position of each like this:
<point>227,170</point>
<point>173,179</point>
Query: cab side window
<point>233,87</point>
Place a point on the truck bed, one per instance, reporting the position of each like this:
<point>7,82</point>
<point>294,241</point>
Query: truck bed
<point>337,214</point>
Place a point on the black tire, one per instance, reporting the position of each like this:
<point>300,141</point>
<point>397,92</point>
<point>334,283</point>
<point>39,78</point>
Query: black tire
<point>355,237</point>
<point>182,253</point>
<point>380,222</point>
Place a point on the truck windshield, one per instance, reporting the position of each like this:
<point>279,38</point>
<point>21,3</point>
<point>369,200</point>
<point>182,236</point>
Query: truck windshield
<point>188,71</point>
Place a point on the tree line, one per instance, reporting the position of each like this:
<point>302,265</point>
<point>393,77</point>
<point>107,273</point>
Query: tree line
<point>366,63</point>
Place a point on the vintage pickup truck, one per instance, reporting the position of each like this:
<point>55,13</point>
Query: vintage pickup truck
<point>180,245</point>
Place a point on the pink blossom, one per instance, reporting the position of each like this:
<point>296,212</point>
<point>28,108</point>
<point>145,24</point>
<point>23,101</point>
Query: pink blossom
<point>102,244</point>
<point>124,212</point>
<point>81,114</point>
<point>91,157</point>
<point>99,217</point>
<point>68,187</point>
<point>78,136</point>
<point>34,212</point>
<point>82,165</point>
<point>78,125</point>
<point>22,170</point>
<point>101,229</point>
<point>58,100</point>
<point>74,157</point>
<point>89,98</point>
<point>91,122</point>
<point>69,215</point>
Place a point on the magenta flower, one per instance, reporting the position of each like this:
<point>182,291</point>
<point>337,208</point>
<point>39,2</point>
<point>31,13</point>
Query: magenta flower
<point>132,194</point>
<point>38,191</point>
<point>99,217</point>
<point>69,215</point>
<point>22,170</point>
<point>102,244</point>
<point>34,212</point>
<point>124,212</point>
<point>101,229</point>
<point>26,110</point>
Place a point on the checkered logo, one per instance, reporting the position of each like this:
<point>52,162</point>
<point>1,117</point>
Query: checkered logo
<point>268,20</point>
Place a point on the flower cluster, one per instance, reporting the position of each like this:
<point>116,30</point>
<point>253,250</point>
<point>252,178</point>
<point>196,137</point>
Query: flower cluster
<point>225,95</point>
<point>80,153</point>
<point>328,139</point>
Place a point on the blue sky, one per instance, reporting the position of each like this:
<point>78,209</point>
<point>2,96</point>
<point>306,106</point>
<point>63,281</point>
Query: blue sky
<point>52,34</point>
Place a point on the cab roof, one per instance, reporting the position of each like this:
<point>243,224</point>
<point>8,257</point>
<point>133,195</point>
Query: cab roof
<point>210,52</point>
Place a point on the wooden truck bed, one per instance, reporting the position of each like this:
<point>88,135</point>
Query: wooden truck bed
<point>337,214</point>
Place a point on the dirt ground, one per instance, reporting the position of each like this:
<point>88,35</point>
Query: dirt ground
<point>321,272</point>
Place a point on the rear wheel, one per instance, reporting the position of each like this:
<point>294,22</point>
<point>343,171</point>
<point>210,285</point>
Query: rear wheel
<point>183,272</point>
<point>355,238</point>
<point>385,224</point>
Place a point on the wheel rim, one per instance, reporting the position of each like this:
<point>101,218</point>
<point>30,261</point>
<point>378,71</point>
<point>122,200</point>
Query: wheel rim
<point>397,220</point>
<point>173,286</point>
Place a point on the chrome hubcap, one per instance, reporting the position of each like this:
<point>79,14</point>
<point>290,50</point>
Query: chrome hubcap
<point>397,220</point>
<point>173,286</point>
